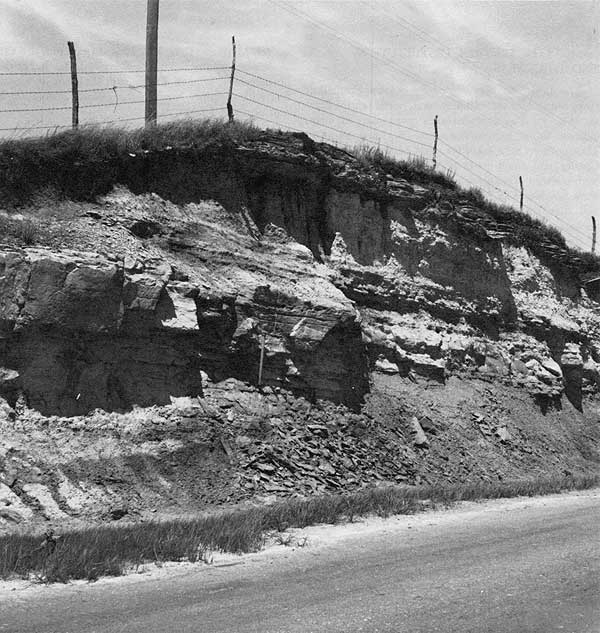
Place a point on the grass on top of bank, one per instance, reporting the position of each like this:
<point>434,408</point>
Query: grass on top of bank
<point>85,163</point>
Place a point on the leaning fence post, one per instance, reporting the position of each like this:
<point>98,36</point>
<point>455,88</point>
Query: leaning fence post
<point>593,235</point>
<point>435,140</point>
<point>521,199</point>
<point>74,85</point>
<point>229,106</point>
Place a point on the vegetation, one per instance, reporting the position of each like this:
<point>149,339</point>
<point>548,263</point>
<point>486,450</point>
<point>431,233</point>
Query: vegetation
<point>527,231</point>
<point>415,169</point>
<point>22,230</point>
<point>85,163</point>
<point>94,156</point>
<point>112,550</point>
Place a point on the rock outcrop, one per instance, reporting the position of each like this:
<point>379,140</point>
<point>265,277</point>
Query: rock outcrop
<point>329,277</point>
<point>83,330</point>
<point>283,264</point>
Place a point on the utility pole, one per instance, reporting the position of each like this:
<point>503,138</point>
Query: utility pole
<point>435,141</point>
<point>151,61</point>
<point>229,106</point>
<point>74,85</point>
<point>593,235</point>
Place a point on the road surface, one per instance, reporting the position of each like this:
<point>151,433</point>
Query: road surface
<point>509,566</point>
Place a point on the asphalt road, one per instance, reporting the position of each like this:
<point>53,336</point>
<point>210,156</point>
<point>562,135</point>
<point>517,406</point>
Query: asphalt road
<point>512,566</point>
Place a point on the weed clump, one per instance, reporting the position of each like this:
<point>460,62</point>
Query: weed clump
<point>23,231</point>
<point>27,232</point>
<point>415,168</point>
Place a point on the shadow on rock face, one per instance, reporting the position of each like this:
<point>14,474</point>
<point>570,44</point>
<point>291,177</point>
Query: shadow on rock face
<point>573,380</point>
<point>547,403</point>
<point>572,367</point>
<point>337,369</point>
<point>72,376</point>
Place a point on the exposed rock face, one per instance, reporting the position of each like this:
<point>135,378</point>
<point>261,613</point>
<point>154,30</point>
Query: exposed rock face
<point>89,333</point>
<point>402,340</point>
<point>329,271</point>
<point>83,330</point>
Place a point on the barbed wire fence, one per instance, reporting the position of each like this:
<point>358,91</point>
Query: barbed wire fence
<point>263,99</point>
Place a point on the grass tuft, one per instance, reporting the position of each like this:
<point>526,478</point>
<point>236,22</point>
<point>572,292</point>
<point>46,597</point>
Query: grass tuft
<point>27,231</point>
<point>24,231</point>
<point>113,550</point>
<point>415,168</point>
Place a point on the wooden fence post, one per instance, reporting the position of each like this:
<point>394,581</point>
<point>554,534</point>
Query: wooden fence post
<point>435,141</point>
<point>593,235</point>
<point>74,85</point>
<point>521,199</point>
<point>229,106</point>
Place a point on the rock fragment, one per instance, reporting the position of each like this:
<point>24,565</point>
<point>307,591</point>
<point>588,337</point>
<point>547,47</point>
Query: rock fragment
<point>419,438</point>
<point>503,434</point>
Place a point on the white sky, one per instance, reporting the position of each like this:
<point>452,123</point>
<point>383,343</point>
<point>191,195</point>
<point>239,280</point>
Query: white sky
<point>515,84</point>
